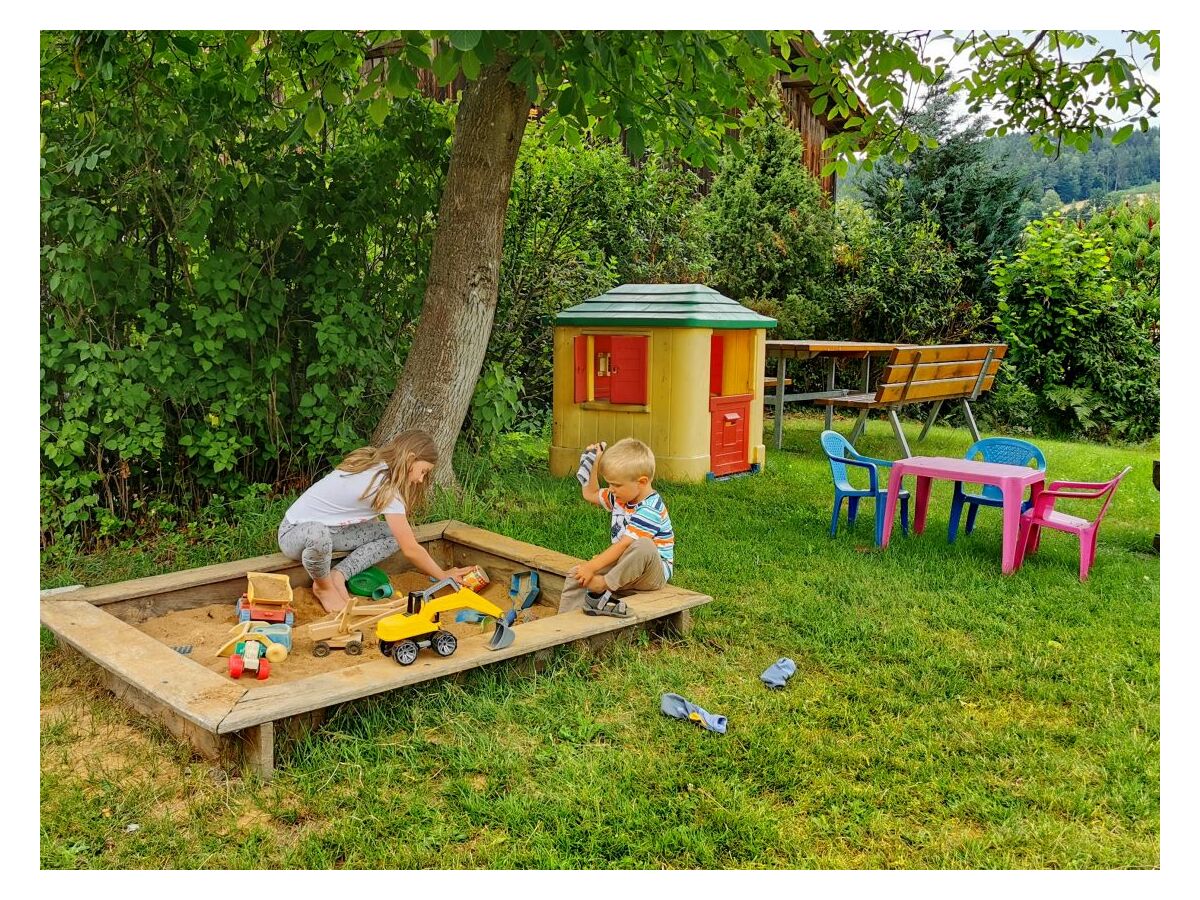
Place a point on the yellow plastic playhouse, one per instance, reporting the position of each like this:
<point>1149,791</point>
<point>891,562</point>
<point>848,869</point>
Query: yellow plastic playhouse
<point>679,366</point>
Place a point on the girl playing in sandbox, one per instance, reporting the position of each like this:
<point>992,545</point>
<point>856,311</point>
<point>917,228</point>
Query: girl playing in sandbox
<point>341,512</point>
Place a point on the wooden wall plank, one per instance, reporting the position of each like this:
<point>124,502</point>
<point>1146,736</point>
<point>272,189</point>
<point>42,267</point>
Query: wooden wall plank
<point>207,743</point>
<point>174,581</point>
<point>501,570</point>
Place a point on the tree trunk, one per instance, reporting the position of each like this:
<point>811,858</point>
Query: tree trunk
<point>435,389</point>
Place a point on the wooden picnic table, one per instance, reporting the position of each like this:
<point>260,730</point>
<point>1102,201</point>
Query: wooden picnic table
<point>1012,481</point>
<point>831,351</point>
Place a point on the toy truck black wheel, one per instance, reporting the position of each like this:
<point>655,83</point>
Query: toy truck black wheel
<point>354,648</point>
<point>320,648</point>
<point>445,643</point>
<point>405,652</point>
<point>385,647</point>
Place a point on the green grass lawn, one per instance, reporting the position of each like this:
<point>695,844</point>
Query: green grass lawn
<point>941,714</point>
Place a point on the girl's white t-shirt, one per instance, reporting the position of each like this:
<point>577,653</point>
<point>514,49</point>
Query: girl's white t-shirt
<point>337,500</point>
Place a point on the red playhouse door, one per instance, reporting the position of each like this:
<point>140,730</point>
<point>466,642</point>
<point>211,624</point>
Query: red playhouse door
<point>729,448</point>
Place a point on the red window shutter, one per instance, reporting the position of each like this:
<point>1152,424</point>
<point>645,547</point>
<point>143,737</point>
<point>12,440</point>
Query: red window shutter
<point>581,369</point>
<point>629,369</point>
<point>716,370</point>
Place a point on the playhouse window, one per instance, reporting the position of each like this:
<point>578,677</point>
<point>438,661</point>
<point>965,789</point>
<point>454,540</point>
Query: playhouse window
<point>611,368</point>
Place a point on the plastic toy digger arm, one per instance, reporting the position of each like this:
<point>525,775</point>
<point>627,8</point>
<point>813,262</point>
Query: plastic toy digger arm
<point>462,598</point>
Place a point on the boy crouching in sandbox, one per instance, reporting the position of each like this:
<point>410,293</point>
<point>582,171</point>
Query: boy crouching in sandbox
<point>642,555</point>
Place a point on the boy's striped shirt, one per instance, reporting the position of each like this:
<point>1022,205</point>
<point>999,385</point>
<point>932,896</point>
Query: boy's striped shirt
<point>647,519</point>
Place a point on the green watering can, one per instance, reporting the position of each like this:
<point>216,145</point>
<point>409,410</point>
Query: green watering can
<point>370,582</point>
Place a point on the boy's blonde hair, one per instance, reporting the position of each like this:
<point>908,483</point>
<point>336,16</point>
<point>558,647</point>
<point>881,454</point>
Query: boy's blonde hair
<point>398,455</point>
<point>627,460</point>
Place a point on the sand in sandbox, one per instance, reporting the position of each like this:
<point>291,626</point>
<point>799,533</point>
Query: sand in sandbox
<point>208,628</point>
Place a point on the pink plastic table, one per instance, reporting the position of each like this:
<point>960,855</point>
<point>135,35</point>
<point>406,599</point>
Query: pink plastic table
<point>1012,481</point>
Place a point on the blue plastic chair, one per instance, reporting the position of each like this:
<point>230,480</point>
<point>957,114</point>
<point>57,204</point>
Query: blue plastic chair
<point>1010,451</point>
<point>840,455</point>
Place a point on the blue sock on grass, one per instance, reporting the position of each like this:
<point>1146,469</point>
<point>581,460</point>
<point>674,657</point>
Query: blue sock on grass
<point>678,708</point>
<point>778,673</point>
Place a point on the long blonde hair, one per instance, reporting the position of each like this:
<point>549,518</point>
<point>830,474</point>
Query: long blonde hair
<point>391,482</point>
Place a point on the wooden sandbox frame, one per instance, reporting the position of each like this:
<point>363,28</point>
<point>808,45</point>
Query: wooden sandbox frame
<point>235,723</point>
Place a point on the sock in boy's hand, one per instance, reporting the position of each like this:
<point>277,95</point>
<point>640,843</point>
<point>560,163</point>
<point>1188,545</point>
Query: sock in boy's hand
<point>778,673</point>
<point>586,460</point>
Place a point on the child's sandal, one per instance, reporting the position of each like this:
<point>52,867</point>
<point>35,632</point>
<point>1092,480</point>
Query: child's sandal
<point>604,605</point>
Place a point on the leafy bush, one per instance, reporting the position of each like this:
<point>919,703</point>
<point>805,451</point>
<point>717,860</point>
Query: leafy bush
<point>581,221</point>
<point>1011,405</point>
<point>495,408</point>
<point>1078,341</point>
<point>1132,230</point>
<point>223,303</point>
<point>771,229</point>
<point>897,281</point>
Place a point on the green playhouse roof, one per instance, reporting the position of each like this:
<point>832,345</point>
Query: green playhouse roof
<point>673,305</point>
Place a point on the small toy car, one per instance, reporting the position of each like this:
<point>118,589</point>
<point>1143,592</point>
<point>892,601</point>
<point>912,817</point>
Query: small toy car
<point>254,647</point>
<point>250,656</point>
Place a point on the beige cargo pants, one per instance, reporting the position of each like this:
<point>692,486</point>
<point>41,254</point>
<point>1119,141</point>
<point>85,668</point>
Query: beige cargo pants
<point>640,568</point>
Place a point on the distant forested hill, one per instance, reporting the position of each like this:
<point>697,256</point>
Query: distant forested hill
<point>1073,175</point>
<point>1081,176</point>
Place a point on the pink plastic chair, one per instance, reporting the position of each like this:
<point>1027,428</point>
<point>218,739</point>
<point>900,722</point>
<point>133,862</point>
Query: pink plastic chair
<point>1043,515</point>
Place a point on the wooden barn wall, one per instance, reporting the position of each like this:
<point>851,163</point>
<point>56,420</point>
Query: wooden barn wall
<point>812,130</point>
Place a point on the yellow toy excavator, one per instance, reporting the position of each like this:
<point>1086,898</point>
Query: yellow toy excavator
<point>402,634</point>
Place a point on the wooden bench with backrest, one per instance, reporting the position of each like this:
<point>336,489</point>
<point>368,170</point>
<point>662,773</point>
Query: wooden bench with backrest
<point>936,373</point>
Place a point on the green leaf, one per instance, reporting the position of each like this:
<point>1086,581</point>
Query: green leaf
<point>635,142</point>
<point>378,110</point>
<point>186,44</point>
<point>465,40</point>
<point>567,100</point>
<point>1123,135</point>
<point>445,66</point>
<point>470,66</point>
<point>314,119</point>
<point>333,94</point>
<point>417,56</point>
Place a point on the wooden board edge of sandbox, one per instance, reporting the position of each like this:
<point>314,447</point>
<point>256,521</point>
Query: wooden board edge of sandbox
<point>168,582</point>
<point>530,555</point>
<point>179,685</point>
<point>271,702</point>
<point>220,718</point>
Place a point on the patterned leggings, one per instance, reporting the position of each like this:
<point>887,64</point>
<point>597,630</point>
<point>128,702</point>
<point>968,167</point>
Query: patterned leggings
<point>314,543</point>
